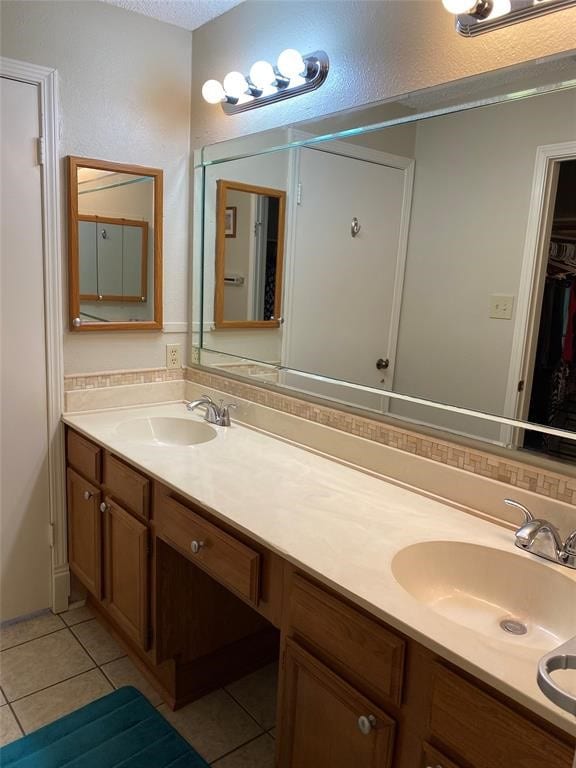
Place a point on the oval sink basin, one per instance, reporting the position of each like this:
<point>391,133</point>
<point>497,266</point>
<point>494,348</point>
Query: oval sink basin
<point>163,430</point>
<point>500,594</point>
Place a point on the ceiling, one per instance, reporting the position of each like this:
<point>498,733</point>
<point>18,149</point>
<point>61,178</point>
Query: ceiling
<point>189,14</point>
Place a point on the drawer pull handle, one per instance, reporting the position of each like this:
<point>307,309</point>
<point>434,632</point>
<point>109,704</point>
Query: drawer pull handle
<point>196,546</point>
<point>366,723</point>
<point>88,495</point>
<point>104,507</point>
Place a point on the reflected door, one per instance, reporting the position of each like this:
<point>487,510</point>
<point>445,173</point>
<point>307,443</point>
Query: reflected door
<point>343,311</point>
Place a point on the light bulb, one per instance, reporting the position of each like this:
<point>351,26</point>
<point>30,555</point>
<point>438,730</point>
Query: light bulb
<point>235,84</point>
<point>290,63</point>
<point>262,74</point>
<point>213,92</point>
<point>459,6</point>
<point>500,8</point>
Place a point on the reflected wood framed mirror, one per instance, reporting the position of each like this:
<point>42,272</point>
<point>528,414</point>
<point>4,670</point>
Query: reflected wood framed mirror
<point>114,246</point>
<point>250,231</point>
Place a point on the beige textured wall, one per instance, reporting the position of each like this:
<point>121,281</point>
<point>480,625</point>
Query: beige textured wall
<point>124,96</point>
<point>378,50</point>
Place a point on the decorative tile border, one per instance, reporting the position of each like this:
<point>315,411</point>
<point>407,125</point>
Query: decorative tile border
<point>514,473</point>
<point>77,381</point>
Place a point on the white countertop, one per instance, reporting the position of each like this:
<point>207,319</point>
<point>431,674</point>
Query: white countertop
<point>342,526</point>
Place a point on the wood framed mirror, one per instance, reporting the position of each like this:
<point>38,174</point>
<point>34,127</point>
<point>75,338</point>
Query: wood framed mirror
<point>114,246</point>
<point>250,232</point>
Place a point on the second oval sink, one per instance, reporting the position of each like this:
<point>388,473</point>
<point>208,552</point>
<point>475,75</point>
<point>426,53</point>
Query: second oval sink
<point>164,430</point>
<point>497,593</point>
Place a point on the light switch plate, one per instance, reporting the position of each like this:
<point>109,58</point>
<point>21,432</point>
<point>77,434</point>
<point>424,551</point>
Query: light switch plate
<point>501,307</point>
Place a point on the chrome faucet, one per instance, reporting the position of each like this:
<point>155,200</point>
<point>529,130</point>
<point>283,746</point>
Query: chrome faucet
<point>215,414</point>
<point>541,537</point>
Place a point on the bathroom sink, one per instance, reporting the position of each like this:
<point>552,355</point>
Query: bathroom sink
<point>500,594</point>
<point>162,430</point>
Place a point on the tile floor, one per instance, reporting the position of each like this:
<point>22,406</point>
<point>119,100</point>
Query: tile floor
<point>50,665</point>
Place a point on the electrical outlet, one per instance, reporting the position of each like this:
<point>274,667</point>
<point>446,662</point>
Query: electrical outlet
<point>501,307</point>
<point>172,355</point>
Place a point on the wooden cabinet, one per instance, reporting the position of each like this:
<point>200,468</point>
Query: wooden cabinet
<point>226,559</point>
<point>433,758</point>
<point>84,456</point>
<point>200,604</point>
<point>85,532</point>
<point>126,593</point>
<point>355,645</point>
<point>339,661</point>
<point>327,723</point>
<point>484,732</point>
<point>127,487</point>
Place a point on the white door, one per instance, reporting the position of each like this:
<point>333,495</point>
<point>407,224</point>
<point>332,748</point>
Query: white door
<point>25,578</point>
<point>342,312</point>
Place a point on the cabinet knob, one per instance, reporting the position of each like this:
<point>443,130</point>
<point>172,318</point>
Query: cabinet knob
<point>366,723</point>
<point>196,546</point>
<point>88,495</point>
<point>103,507</point>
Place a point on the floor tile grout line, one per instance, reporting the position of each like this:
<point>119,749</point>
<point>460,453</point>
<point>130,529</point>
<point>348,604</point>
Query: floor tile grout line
<point>245,710</point>
<point>39,637</point>
<point>77,623</point>
<point>240,746</point>
<point>123,654</point>
<point>15,716</point>
<point>52,685</point>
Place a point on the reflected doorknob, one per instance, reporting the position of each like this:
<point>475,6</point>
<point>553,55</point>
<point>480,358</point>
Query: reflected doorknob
<point>382,364</point>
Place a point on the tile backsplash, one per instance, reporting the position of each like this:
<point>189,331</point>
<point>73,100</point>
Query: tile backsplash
<point>80,381</point>
<point>541,481</point>
<point>544,482</point>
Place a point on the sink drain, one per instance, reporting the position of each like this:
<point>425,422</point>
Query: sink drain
<point>514,626</point>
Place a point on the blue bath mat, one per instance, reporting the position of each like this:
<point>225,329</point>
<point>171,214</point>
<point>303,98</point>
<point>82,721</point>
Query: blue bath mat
<point>120,729</point>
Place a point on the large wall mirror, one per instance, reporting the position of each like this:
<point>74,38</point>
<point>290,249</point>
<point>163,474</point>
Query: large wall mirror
<point>249,255</point>
<point>115,246</point>
<point>431,257</point>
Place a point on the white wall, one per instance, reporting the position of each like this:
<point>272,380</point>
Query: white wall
<point>449,349</point>
<point>125,96</point>
<point>377,51</point>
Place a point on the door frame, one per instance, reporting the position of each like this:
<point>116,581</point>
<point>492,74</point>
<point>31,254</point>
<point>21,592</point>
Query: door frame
<point>367,154</point>
<point>531,288</point>
<point>46,80</point>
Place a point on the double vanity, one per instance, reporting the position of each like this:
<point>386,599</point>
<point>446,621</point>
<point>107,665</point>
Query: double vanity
<point>210,551</point>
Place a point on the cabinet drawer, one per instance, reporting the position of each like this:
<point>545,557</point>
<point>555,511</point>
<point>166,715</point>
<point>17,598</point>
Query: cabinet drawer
<point>487,733</point>
<point>360,648</point>
<point>84,456</point>
<point>126,486</point>
<point>432,758</point>
<point>230,562</point>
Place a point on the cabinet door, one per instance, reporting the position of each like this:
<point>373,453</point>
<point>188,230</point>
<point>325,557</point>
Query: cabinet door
<point>325,723</point>
<point>85,532</point>
<point>127,572</point>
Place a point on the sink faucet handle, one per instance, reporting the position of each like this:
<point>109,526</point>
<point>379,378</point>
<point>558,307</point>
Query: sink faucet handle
<point>570,544</point>
<point>225,413</point>
<point>528,516</point>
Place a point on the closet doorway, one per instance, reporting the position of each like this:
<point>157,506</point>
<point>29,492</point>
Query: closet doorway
<point>552,400</point>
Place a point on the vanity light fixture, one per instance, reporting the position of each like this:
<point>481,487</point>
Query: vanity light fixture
<point>477,16</point>
<point>293,74</point>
